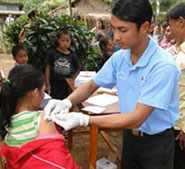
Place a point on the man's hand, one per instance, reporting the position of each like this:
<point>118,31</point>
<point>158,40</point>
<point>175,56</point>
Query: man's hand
<point>57,107</point>
<point>181,139</point>
<point>71,120</point>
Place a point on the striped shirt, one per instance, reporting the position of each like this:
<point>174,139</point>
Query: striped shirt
<point>178,53</point>
<point>24,128</point>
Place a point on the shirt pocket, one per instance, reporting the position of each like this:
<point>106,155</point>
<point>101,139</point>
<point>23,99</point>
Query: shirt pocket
<point>122,76</point>
<point>141,80</point>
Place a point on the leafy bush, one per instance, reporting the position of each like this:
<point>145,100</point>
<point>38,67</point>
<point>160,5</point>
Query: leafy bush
<point>41,33</point>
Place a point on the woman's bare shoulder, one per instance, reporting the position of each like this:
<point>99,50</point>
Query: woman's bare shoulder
<point>46,126</point>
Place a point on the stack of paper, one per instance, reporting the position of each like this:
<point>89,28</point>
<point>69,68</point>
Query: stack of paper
<point>102,100</point>
<point>94,109</point>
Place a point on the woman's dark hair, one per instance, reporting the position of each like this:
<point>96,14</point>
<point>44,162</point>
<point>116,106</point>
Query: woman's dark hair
<point>59,34</point>
<point>102,23</point>
<point>21,80</point>
<point>16,49</point>
<point>137,11</point>
<point>177,12</point>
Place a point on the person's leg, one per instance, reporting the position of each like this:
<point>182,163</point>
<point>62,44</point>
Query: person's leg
<point>128,152</point>
<point>156,152</point>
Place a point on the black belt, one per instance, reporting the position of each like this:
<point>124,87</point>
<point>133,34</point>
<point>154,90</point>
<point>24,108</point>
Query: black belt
<point>138,133</point>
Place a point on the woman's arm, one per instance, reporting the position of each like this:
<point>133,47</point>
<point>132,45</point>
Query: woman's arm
<point>46,127</point>
<point>22,36</point>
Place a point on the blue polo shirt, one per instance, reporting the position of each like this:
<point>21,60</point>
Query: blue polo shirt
<point>152,81</point>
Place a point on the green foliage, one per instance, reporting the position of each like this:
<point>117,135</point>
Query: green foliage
<point>165,6</point>
<point>41,33</point>
<point>92,60</point>
<point>32,4</point>
<point>41,5</point>
<point>108,1</point>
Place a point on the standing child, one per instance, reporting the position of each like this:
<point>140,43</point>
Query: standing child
<point>62,67</point>
<point>20,54</point>
<point>29,141</point>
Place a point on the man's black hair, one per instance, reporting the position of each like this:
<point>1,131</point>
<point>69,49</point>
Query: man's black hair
<point>137,11</point>
<point>177,12</point>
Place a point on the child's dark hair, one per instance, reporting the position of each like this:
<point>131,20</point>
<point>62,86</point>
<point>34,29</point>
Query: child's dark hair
<point>136,11</point>
<point>16,49</point>
<point>103,42</point>
<point>59,34</point>
<point>21,80</point>
<point>177,12</point>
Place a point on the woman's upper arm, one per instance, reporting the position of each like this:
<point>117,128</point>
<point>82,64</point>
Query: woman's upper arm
<point>46,127</point>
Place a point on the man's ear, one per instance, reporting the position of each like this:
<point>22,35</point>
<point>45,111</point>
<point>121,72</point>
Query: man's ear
<point>145,27</point>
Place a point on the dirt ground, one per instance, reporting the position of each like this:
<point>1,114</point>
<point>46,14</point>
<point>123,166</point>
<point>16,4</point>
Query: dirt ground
<point>80,140</point>
<point>6,62</point>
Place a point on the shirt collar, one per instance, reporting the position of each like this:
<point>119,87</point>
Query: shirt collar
<point>146,56</point>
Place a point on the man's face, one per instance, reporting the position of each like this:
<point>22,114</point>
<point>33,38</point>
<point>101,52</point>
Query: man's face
<point>168,33</point>
<point>177,27</point>
<point>127,33</point>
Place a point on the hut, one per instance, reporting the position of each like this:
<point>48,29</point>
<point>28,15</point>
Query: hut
<point>88,10</point>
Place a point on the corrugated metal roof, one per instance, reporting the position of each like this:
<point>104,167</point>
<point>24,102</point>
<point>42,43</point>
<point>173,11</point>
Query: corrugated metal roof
<point>2,12</point>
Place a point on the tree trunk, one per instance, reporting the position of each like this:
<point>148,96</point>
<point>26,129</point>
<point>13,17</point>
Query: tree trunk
<point>70,8</point>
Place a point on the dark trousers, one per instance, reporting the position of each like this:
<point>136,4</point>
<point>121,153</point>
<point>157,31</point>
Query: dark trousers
<point>179,159</point>
<point>148,152</point>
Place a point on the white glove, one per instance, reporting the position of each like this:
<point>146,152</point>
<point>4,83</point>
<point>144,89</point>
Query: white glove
<point>55,106</point>
<point>71,120</point>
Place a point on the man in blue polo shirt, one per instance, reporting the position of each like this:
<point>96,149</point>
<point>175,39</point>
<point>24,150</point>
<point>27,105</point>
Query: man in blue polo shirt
<point>147,82</point>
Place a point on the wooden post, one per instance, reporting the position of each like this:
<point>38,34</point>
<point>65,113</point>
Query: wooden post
<point>93,146</point>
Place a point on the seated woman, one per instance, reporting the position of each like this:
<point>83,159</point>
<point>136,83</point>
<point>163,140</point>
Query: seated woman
<point>107,49</point>
<point>27,139</point>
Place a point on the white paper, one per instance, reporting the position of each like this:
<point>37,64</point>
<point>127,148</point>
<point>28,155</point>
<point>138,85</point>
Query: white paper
<point>83,77</point>
<point>102,100</point>
<point>94,109</point>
